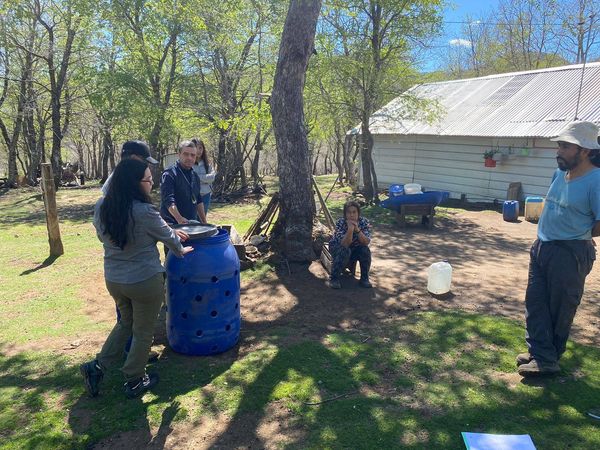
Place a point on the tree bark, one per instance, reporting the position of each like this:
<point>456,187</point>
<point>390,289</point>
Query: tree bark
<point>255,161</point>
<point>365,156</point>
<point>348,161</point>
<point>287,110</point>
<point>107,149</point>
<point>57,75</point>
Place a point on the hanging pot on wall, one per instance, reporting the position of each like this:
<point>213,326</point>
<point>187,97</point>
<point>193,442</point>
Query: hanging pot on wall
<point>489,162</point>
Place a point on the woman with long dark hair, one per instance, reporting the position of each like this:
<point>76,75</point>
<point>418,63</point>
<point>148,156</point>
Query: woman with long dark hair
<point>129,227</point>
<point>206,173</point>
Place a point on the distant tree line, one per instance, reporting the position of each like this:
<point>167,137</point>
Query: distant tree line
<point>522,35</point>
<point>77,78</point>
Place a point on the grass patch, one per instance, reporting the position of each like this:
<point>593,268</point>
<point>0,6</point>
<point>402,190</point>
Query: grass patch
<point>42,297</point>
<point>416,382</point>
<point>260,270</point>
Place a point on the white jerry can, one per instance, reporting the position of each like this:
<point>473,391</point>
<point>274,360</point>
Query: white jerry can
<point>439,278</point>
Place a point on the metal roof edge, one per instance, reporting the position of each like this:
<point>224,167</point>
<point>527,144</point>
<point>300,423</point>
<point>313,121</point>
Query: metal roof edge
<point>511,74</point>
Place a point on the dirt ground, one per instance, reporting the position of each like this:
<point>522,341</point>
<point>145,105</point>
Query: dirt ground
<point>489,258</point>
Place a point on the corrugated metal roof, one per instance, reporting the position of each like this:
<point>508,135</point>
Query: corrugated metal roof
<point>535,103</point>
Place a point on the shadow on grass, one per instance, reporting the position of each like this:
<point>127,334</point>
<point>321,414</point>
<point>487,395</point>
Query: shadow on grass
<point>112,421</point>
<point>435,375</point>
<point>416,384</point>
<point>77,213</point>
<point>46,263</point>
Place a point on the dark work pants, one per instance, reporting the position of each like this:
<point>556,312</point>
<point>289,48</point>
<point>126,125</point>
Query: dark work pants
<point>557,271</point>
<point>342,256</point>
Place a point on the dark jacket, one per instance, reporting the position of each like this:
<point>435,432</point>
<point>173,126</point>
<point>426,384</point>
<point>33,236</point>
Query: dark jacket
<point>181,187</point>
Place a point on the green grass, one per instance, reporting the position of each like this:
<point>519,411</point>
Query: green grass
<point>415,381</point>
<point>260,270</point>
<point>40,296</point>
<point>241,215</point>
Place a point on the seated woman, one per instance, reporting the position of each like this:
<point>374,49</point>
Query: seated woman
<point>129,227</point>
<point>350,243</point>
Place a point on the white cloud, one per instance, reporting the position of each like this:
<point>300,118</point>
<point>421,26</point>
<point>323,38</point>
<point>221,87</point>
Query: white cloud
<point>460,43</point>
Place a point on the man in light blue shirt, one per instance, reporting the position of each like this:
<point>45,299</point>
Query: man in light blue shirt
<point>564,252</point>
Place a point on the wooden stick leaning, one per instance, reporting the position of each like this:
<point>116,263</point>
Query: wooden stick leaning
<point>328,217</point>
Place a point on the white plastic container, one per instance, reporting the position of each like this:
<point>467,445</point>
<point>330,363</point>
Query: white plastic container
<point>412,188</point>
<point>439,278</point>
<point>533,208</point>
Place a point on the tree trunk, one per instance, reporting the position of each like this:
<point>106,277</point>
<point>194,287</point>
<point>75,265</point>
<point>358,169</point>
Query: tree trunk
<point>337,159</point>
<point>239,162</point>
<point>107,148</point>
<point>315,160</point>
<point>14,139</point>
<point>35,156</point>
<point>287,109</point>
<point>221,163</point>
<point>255,161</point>
<point>365,156</point>
<point>93,157</point>
<point>57,86</point>
<point>348,161</point>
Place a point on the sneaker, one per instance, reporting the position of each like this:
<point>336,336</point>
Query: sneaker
<point>534,368</point>
<point>334,284</point>
<point>137,387</point>
<point>365,283</point>
<point>92,376</point>
<point>523,358</point>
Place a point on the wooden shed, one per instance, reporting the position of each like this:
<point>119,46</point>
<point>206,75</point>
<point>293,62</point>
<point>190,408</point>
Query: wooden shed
<point>513,114</point>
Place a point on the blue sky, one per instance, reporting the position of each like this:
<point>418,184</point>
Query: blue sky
<point>456,11</point>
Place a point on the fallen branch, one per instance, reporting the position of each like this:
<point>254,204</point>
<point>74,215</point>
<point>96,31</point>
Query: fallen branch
<point>330,399</point>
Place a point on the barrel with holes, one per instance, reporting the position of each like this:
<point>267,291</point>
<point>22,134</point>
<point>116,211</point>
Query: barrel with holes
<point>203,297</point>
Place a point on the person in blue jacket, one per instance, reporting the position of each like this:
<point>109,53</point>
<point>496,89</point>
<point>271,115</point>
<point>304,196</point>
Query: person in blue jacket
<point>180,188</point>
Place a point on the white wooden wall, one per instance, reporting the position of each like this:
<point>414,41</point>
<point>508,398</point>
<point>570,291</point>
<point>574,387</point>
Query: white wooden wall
<point>455,164</point>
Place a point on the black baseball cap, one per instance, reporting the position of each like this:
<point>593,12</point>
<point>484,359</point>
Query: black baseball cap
<point>139,148</point>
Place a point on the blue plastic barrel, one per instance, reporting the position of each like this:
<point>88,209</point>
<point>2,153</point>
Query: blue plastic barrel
<point>510,210</point>
<point>203,297</point>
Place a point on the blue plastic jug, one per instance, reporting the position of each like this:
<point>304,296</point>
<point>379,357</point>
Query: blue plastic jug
<point>510,210</point>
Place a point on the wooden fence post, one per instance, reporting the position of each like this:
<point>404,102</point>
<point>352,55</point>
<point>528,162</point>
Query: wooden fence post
<point>56,246</point>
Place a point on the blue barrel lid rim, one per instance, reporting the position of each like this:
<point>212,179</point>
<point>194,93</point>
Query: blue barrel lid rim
<point>197,230</point>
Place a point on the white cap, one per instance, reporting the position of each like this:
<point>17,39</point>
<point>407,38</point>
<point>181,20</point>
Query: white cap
<point>584,134</point>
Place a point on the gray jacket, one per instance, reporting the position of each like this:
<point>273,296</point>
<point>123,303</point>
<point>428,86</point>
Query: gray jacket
<point>139,260</point>
<point>206,178</point>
